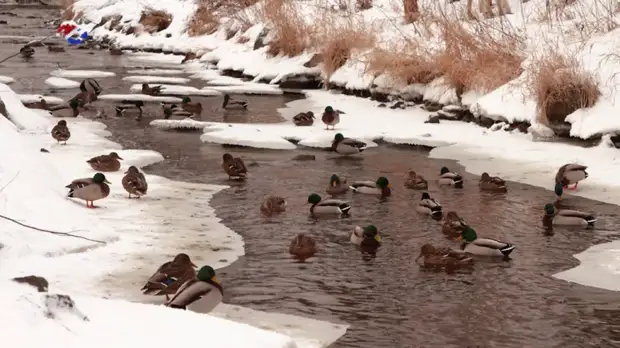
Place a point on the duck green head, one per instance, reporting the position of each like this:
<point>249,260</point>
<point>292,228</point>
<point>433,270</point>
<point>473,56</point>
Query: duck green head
<point>549,209</point>
<point>559,189</point>
<point>186,100</point>
<point>338,137</point>
<point>444,170</point>
<point>206,273</point>
<point>74,104</point>
<point>329,109</point>
<point>469,234</point>
<point>100,178</point>
<point>314,198</point>
<point>167,112</point>
<point>383,182</point>
<point>371,232</point>
<point>334,180</point>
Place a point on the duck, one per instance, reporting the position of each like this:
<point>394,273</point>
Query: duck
<point>483,246</point>
<point>273,205</point>
<point>148,90</point>
<point>304,119</point>
<point>492,183</point>
<point>381,187</point>
<point>84,98</point>
<point>123,108</point>
<point>429,206</point>
<point>189,56</point>
<point>559,191</point>
<point>446,177</point>
<point>90,85</point>
<point>41,104</point>
<point>134,182</point>
<point>234,167</point>
<point>90,190</point>
<point>347,146</point>
<point>204,292</point>
<point>365,235</point>
<point>169,277</point>
<point>106,163</point>
<point>571,173</point>
<point>453,225</point>
<point>443,258</point>
<point>328,206</point>
<point>174,110</point>
<point>228,103</point>
<point>194,108</point>
<point>336,186</point>
<point>61,132</point>
<point>566,217</point>
<point>414,181</point>
<point>56,49</point>
<point>331,117</point>
<point>73,105</point>
<point>26,51</point>
<point>302,247</point>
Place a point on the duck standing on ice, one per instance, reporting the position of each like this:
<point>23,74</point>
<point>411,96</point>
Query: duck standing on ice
<point>169,277</point>
<point>61,132</point>
<point>331,117</point>
<point>204,292</point>
<point>570,173</point>
<point>89,189</point>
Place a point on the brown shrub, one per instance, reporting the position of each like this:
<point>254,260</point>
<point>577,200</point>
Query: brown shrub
<point>204,20</point>
<point>243,39</point>
<point>155,21</point>
<point>67,9</point>
<point>405,64</point>
<point>412,10</point>
<point>291,33</point>
<point>336,44</point>
<point>363,4</point>
<point>560,86</point>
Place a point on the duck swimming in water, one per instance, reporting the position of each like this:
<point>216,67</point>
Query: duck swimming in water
<point>446,177</point>
<point>429,206</point>
<point>483,246</point>
<point>337,186</point>
<point>414,181</point>
<point>566,217</point>
<point>328,206</point>
<point>492,183</point>
<point>229,103</point>
<point>302,247</point>
<point>381,187</point>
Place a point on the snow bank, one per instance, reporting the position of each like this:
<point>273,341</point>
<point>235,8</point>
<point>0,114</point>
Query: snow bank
<point>33,98</point>
<point>142,97</point>
<point>156,79</point>
<point>157,71</point>
<point>6,80</point>
<point>81,74</point>
<point>186,123</point>
<point>60,82</point>
<point>247,88</point>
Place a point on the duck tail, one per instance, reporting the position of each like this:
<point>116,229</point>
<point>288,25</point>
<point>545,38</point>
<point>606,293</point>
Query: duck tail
<point>585,173</point>
<point>507,249</point>
<point>458,181</point>
<point>436,210</point>
<point>345,209</point>
<point>70,194</point>
<point>590,220</point>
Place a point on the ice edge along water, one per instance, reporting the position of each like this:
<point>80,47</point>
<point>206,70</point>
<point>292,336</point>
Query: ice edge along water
<point>33,193</point>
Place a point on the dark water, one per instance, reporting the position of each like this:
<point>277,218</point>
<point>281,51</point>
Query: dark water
<point>387,300</point>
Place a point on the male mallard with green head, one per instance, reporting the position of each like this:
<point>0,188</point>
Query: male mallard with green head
<point>483,246</point>
<point>414,181</point>
<point>566,217</point>
<point>336,186</point>
<point>234,167</point>
<point>381,187</point>
<point>347,146</point>
<point>106,163</point>
<point>304,119</point>
<point>173,110</point>
<point>273,205</point>
<point>194,108</point>
<point>429,206</point>
<point>229,103</point>
<point>367,235</point>
<point>331,117</point>
<point>302,247</point>
<point>492,183</point>
<point>203,292</point>
<point>148,90</point>
<point>60,132</point>
<point>446,177</point>
<point>571,173</point>
<point>134,182</point>
<point>90,191</point>
<point>443,258</point>
<point>453,225</point>
<point>169,277</point>
<point>328,206</point>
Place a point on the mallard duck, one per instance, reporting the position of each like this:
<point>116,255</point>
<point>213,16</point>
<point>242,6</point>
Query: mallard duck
<point>189,56</point>
<point>302,247</point>
<point>73,105</point>
<point>492,183</point>
<point>347,146</point>
<point>429,206</point>
<point>415,182</point>
<point>90,85</point>
<point>336,187</point>
<point>304,119</point>
<point>234,167</point>
<point>61,132</point>
<point>169,277</point>
<point>328,206</point>
<point>483,246</point>
<point>571,173</point>
<point>448,178</point>
<point>123,109</point>
<point>367,235</point>
<point>154,90</point>
<point>203,292</point>
<point>273,205</point>
<point>134,182</point>
<point>331,117</point>
<point>566,217</point>
<point>26,51</point>
<point>195,108</point>
<point>559,190</point>
<point>443,258</point>
<point>453,225</point>
<point>228,103</point>
<point>83,98</point>
<point>90,191</point>
<point>174,110</point>
<point>106,163</point>
<point>41,104</point>
<point>56,49</point>
<point>380,187</point>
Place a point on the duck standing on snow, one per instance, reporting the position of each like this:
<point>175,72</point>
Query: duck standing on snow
<point>273,205</point>
<point>174,110</point>
<point>429,206</point>
<point>492,183</point>
<point>347,146</point>
<point>336,186</point>
<point>328,206</point>
<point>368,235</point>
<point>566,217</point>
<point>106,163</point>
<point>194,108</point>
<point>60,132</point>
<point>90,85</point>
<point>304,119</point>
<point>453,225</point>
<point>331,117</point>
<point>169,277</point>
<point>234,167</point>
<point>302,247</point>
<point>571,173</point>
<point>443,258</point>
<point>483,246</point>
<point>204,292</point>
<point>148,90</point>
<point>134,182</point>
<point>446,177</point>
<point>229,103</point>
<point>381,187</point>
<point>415,182</point>
<point>26,51</point>
<point>90,190</point>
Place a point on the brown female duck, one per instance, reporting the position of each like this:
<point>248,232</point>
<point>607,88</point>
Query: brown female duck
<point>453,225</point>
<point>492,183</point>
<point>414,181</point>
<point>134,182</point>
<point>169,277</point>
<point>194,108</point>
<point>60,132</point>
<point>234,167</point>
<point>304,119</point>
<point>148,90</point>
<point>273,205</point>
<point>106,163</point>
<point>443,259</point>
<point>56,49</point>
<point>302,247</point>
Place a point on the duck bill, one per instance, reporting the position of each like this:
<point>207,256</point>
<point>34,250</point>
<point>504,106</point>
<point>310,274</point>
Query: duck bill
<point>215,280</point>
<point>107,182</point>
<point>193,265</point>
<point>120,158</point>
<point>389,186</point>
<point>459,238</point>
<point>418,258</point>
<point>378,238</point>
<point>333,184</point>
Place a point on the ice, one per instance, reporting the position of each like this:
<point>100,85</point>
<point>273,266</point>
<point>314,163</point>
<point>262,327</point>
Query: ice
<point>179,90</point>
<point>186,123</point>
<point>156,79</point>
<point>209,75</point>
<point>81,74</point>
<point>157,71</point>
<point>249,88</point>
<point>157,58</point>
<point>33,98</point>
<point>226,81</point>
<point>142,97</point>
<point>60,82</point>
<point>6,80</point>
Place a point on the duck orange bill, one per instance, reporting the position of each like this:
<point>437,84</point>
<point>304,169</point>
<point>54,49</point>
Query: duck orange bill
<point>193,265</point>
<point>378,238</point>
<point>214,279</point>
<point>459,237</point>
<point>107,182</point>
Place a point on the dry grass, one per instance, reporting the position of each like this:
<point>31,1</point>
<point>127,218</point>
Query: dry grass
<point>336,45</point>
<point>412,11</point>
<point>204,20</point>
<point>560,86</point>
<point>362,5</point>
<point>291,33</point>
<point>155,21</point>
<point>406,64</point>
<point>67,9</point>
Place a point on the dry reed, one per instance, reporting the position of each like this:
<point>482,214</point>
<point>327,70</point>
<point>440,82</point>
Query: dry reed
<point>155,21</point>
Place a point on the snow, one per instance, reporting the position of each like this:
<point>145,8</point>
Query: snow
<point>248,88</point>
<point>157,71</point>
<point>6,79</point>
<point>225,81</point>
<point>60,82</point>
<point>32,98</point>
<point>156,79</point>
<point>179,90</point>
<point>186,123</point>
<point>81,74</point>
<point>142,97</point>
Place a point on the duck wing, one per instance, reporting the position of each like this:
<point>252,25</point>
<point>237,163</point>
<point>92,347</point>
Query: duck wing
<point>450,175</point>
<point>574,213</point>
<point>334,203</point>
<point>354,143</point>
<point>363,183</point>
<point>490,243</point>
<point>240,166</point>
<point>430,203</point>
<point>60,133</point>
<point>573,166</point>
<point>90,192</point>
<point>189,292</point>
<point>77,183</point>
